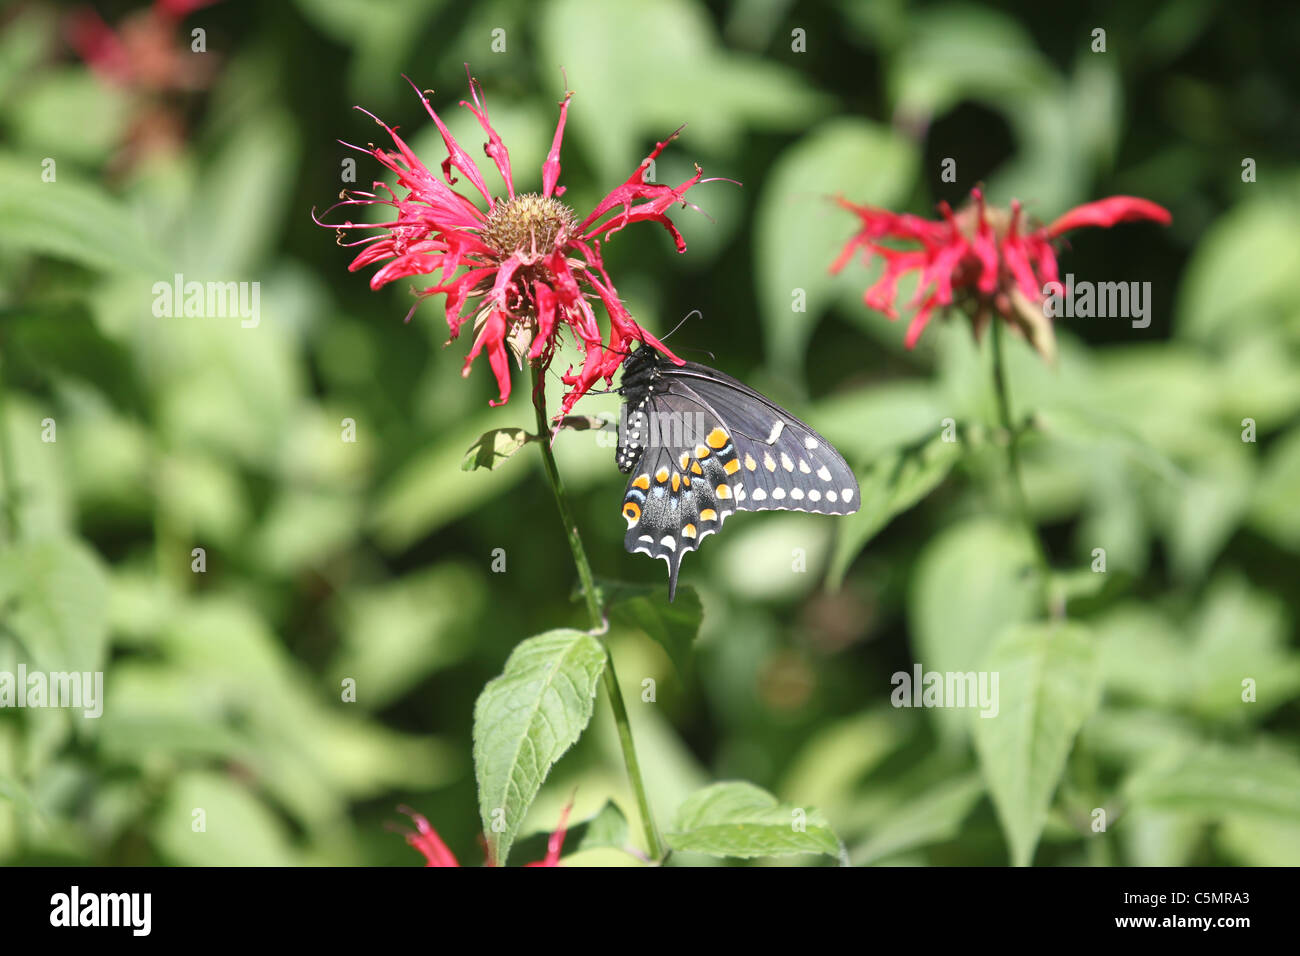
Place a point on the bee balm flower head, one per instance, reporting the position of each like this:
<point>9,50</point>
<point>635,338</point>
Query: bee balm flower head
<point>523,265</point>
<point>988,260</point>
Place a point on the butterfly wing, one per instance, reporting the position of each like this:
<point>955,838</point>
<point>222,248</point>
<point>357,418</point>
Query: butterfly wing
<point>685,484</point>
<point>785,465</point>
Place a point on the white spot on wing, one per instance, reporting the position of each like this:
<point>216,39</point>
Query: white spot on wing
<point>776,432</point>
<point>760,494</point>
<point>810,443</point>
<point>848,494</point>
<point>824,473</point>
<point>778,493</point>
<point>797,494</point>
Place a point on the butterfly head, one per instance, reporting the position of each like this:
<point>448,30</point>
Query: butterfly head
<point>640,369</point>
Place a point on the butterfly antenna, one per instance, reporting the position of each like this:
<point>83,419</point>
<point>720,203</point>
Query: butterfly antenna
<point>688,315</point>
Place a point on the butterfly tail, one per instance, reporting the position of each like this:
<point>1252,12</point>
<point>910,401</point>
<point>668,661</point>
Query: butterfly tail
<point>674,563</point>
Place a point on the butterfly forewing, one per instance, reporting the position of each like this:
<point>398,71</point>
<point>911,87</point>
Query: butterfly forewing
<point>785,464</point>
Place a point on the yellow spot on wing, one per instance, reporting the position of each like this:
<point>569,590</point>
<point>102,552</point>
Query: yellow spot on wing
<point>701,452</point>
<point>688,531</point>
<point>731,467</point>
<point>696,469</point>
<point>677,482</point>
<point>632,512</point>
<point>683,461</point>
<point>749,461</point>
<point>723,491</point>
<point>642,482</point>
<point>661,475</point>
<point>708,514</point>
<point>717,438</point>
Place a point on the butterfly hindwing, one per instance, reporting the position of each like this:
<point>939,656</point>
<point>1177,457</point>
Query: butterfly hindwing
<point>700,445</point>
<point>684,485</point>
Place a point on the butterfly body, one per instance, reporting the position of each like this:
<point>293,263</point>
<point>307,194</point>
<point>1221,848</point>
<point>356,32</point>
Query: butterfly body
<point>700,445</point>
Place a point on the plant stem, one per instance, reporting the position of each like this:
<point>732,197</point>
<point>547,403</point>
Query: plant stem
<point>608,676</point>
<point>1020,500</point>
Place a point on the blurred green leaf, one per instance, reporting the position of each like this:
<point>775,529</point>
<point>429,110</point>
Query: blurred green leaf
<point>211,820</point>
<point>800,232</point>
<point>397,633</point>
<point>54,599</point>
<point>889,487</point>
<point>1242,273</point>
<point>525,720</point>
<point>493,448</point>
<point>1275,505</point>
<point>1216,781</point>
<point>1049,684</point>
<point>431,489</point>
<point>697,81</point>
<point>72,220</point>
<point>742,820</point>
<point>71,114</point>
<point>957,52</point>
<point>933,817</point>
<point>970,583</point>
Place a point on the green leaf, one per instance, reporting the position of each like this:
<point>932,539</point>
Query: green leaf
<point>800,231</point>
<point>1241,276</point>
<point>673,626</point>
<point>1275,506</point>
<point>493,447</point>
<point>525,720</point>
<point>699,82</point>
<point>969,583</point>
<point>742,820</point>
<point>1049,685</point>
<point>431,490</point>
<point>72,220</point>
<point>238,829</point>
<point>889,487</point>
<point>1215,781</point>
<point>54,599</point>
<point>932,817</point>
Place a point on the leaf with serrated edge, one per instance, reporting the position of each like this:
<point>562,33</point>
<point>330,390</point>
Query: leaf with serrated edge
<point>1049,683</point>
<point>525,720</point>
<point>741,820</point>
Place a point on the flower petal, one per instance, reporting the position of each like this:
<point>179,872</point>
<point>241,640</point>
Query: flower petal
<point>1107,212</point>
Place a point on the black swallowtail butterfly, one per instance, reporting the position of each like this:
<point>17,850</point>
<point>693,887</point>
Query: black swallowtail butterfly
<point>700,445</point>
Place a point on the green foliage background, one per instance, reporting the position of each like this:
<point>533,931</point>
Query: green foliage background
<point>328,560</point>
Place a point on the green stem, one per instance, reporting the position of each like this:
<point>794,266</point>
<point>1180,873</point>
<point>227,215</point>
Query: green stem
<point>1020,500</point>
<point>608,676</point>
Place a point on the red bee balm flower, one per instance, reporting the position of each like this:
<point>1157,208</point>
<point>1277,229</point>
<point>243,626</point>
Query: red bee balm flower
<point>425,839</point>
<point>982,258</point>
<point>526,266</point>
